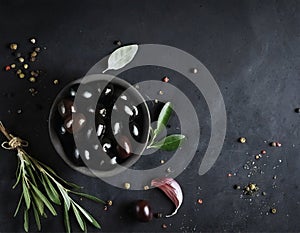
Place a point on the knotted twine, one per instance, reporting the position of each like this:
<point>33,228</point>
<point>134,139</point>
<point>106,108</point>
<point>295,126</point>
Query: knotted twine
<point>13,143</point>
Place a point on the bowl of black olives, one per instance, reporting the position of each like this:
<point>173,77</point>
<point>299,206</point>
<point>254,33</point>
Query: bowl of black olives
<point>99,125</point>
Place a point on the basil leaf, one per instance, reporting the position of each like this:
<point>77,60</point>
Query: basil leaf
<point>169,143</point>
<point>163,119</point>
<point>121,57</point>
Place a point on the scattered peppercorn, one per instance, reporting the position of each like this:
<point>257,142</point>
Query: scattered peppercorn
<point>242,140</point>
<point>33,54</point>
<point>273,211</point>
<point>127,185</point>
<point>21,75</point>
<point>164,226</point>
<point>37,49</point>
<point>32,59</point>
<point>7,68</point>
<point>146,187</point>
<point>237,187</point>
<point>13,66</point>
<point>156,101</point>
<point>118,42</point>
<point>19,71</point>
<point>166,79</point>
<point>25,66</point>
<point>158,215</point>
<point>195,71</point>
<point>55,82</point>
<point>32,79</point>
<point>200,201</point>
<point>251,188</point>
<point>278,144</point>
<point>263,152</point>
<point>161,92</point>
<point>257,157</point>
<point>33,91</point>
<point>13,46</point>
<point>109,202</point>
<point>21,59</point>
<point>274,144</point>
<point>169,170</point>
<point>32,40</point>
<point>162,161</point>
<point>105,208</point>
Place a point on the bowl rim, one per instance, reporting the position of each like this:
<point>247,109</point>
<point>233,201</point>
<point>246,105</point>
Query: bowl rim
<point>54,138</point>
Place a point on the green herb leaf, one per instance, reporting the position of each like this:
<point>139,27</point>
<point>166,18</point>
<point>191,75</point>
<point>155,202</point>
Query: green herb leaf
<point>88,216</point>
<point>29,170</point>
<point>50,190</point>
<point>78,217</point>
<point>18,206</point>
<point>66,219</point>
<point>65,197</point>
<point>169,143</point>
<point>44,199</point>
<point>93,198</point>
<point>39,204</point>
<point>26,220</point>
<point>18,178</point>
<point>121,57</point>
<point>37,217</point>
<point>163,119</point>
<point>26,195</point>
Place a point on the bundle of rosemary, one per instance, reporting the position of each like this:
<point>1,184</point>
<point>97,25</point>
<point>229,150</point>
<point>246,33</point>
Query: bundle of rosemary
<point>42,187</point>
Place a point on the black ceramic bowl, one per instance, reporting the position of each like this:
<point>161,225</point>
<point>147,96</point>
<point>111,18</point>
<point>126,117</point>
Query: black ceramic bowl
<point>99,125</point>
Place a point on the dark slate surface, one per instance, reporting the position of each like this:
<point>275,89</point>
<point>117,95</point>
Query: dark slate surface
<point>252,48</point>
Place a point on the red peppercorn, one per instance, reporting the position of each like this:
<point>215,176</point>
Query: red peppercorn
<point>200,201</point>
<point>166,79</point>
<point>263,152</point>
<point>7,68</point>
<point>278,144</point>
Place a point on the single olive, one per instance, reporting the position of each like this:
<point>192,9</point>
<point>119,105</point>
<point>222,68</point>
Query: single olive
<point>143,211</point>
<point>75,122</point>
<point>124,147</point>
<point>66,108</point>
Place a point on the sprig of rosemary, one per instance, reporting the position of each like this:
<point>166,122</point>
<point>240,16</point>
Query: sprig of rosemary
<point>42,187</point>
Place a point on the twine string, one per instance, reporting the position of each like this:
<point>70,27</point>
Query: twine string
<point>14,142</point>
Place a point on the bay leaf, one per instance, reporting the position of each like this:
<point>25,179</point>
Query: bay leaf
<point>121,57</point>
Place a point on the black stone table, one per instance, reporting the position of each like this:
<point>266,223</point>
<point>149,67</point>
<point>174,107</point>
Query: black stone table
<point>252,49</point>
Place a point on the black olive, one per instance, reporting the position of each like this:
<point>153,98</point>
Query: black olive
<point>124,147</point>
<point>143,211</point>
<point>66,108</point>
<point>74,122</point>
